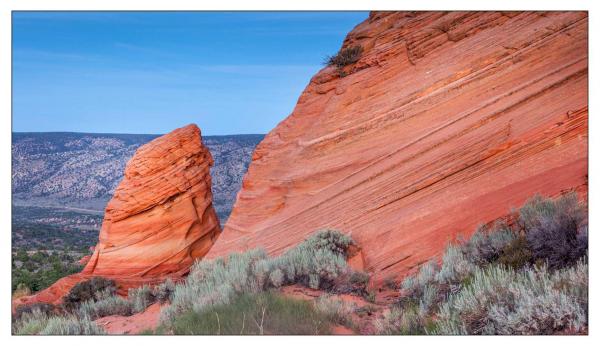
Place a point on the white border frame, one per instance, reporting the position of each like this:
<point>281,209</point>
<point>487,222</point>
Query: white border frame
<point>256,5</point>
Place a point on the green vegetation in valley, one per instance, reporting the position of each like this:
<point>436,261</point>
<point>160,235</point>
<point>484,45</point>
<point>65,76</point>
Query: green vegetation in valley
<point>46,228</point>
<point>35,270</point>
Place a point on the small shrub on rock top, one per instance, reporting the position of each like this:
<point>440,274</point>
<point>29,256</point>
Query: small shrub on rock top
<point>345,57</point>
<point>94,289</point>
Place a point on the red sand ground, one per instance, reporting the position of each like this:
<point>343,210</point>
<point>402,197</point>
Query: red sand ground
<point>131,324</point>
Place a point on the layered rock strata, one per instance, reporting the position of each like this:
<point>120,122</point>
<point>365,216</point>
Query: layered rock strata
<point>445,122</point>
<point>160,219</point>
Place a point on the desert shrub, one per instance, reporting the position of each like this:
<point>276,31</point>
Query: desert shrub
<point>94,289</point>
<point>582,242</point>
<point>212,282</point>
<point>365,310</point>
<point>485,246</point>
<point>41,308</point>
<point>328,240</point>
<point>350,282</point>
<point>254,314</point>
<point>574,282</point>
<point>316,262</point>
<point>112,305</point>
<point>37,323</point>
<point>21,291</point>
<point>106,303</point>
<point>429,299</point>
<point>335,309</point>
<point>71,326</point>
<point>30,323</point>
<point>359,278</point>
<point>492,270</point>
<point>534,212</point>
<point>141,297</point>
<point>455,266</point>
<point>163,292</point>
<point>277,278</point>
<point>556,230</point>
<point>387,323</point>
<point>312,268</point>
<point>430,286</point>
<point>390,282</point>
<point>413,286</point>
<point>425,290</point>
<point>402,321</point>
<point>500,300</point>
<point>516,254</point>
<point>345,57</point>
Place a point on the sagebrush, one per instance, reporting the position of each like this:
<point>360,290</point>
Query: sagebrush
<point>317,262</point>
<point>526,278</point>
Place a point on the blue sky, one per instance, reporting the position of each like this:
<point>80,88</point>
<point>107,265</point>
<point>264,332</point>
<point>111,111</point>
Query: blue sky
<point>151,72</point>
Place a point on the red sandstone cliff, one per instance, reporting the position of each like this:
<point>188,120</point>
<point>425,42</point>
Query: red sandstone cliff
<point>159,220</point>
<point>446,121</point>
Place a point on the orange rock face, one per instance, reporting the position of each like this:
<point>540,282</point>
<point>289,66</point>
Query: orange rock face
<point>446,121</point>
<point>159,220</point>
<point>161,217</point>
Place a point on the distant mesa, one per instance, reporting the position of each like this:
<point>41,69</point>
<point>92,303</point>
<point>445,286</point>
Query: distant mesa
<point>445,121</point>
<point>81,171</point>
<point>160,219</point>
